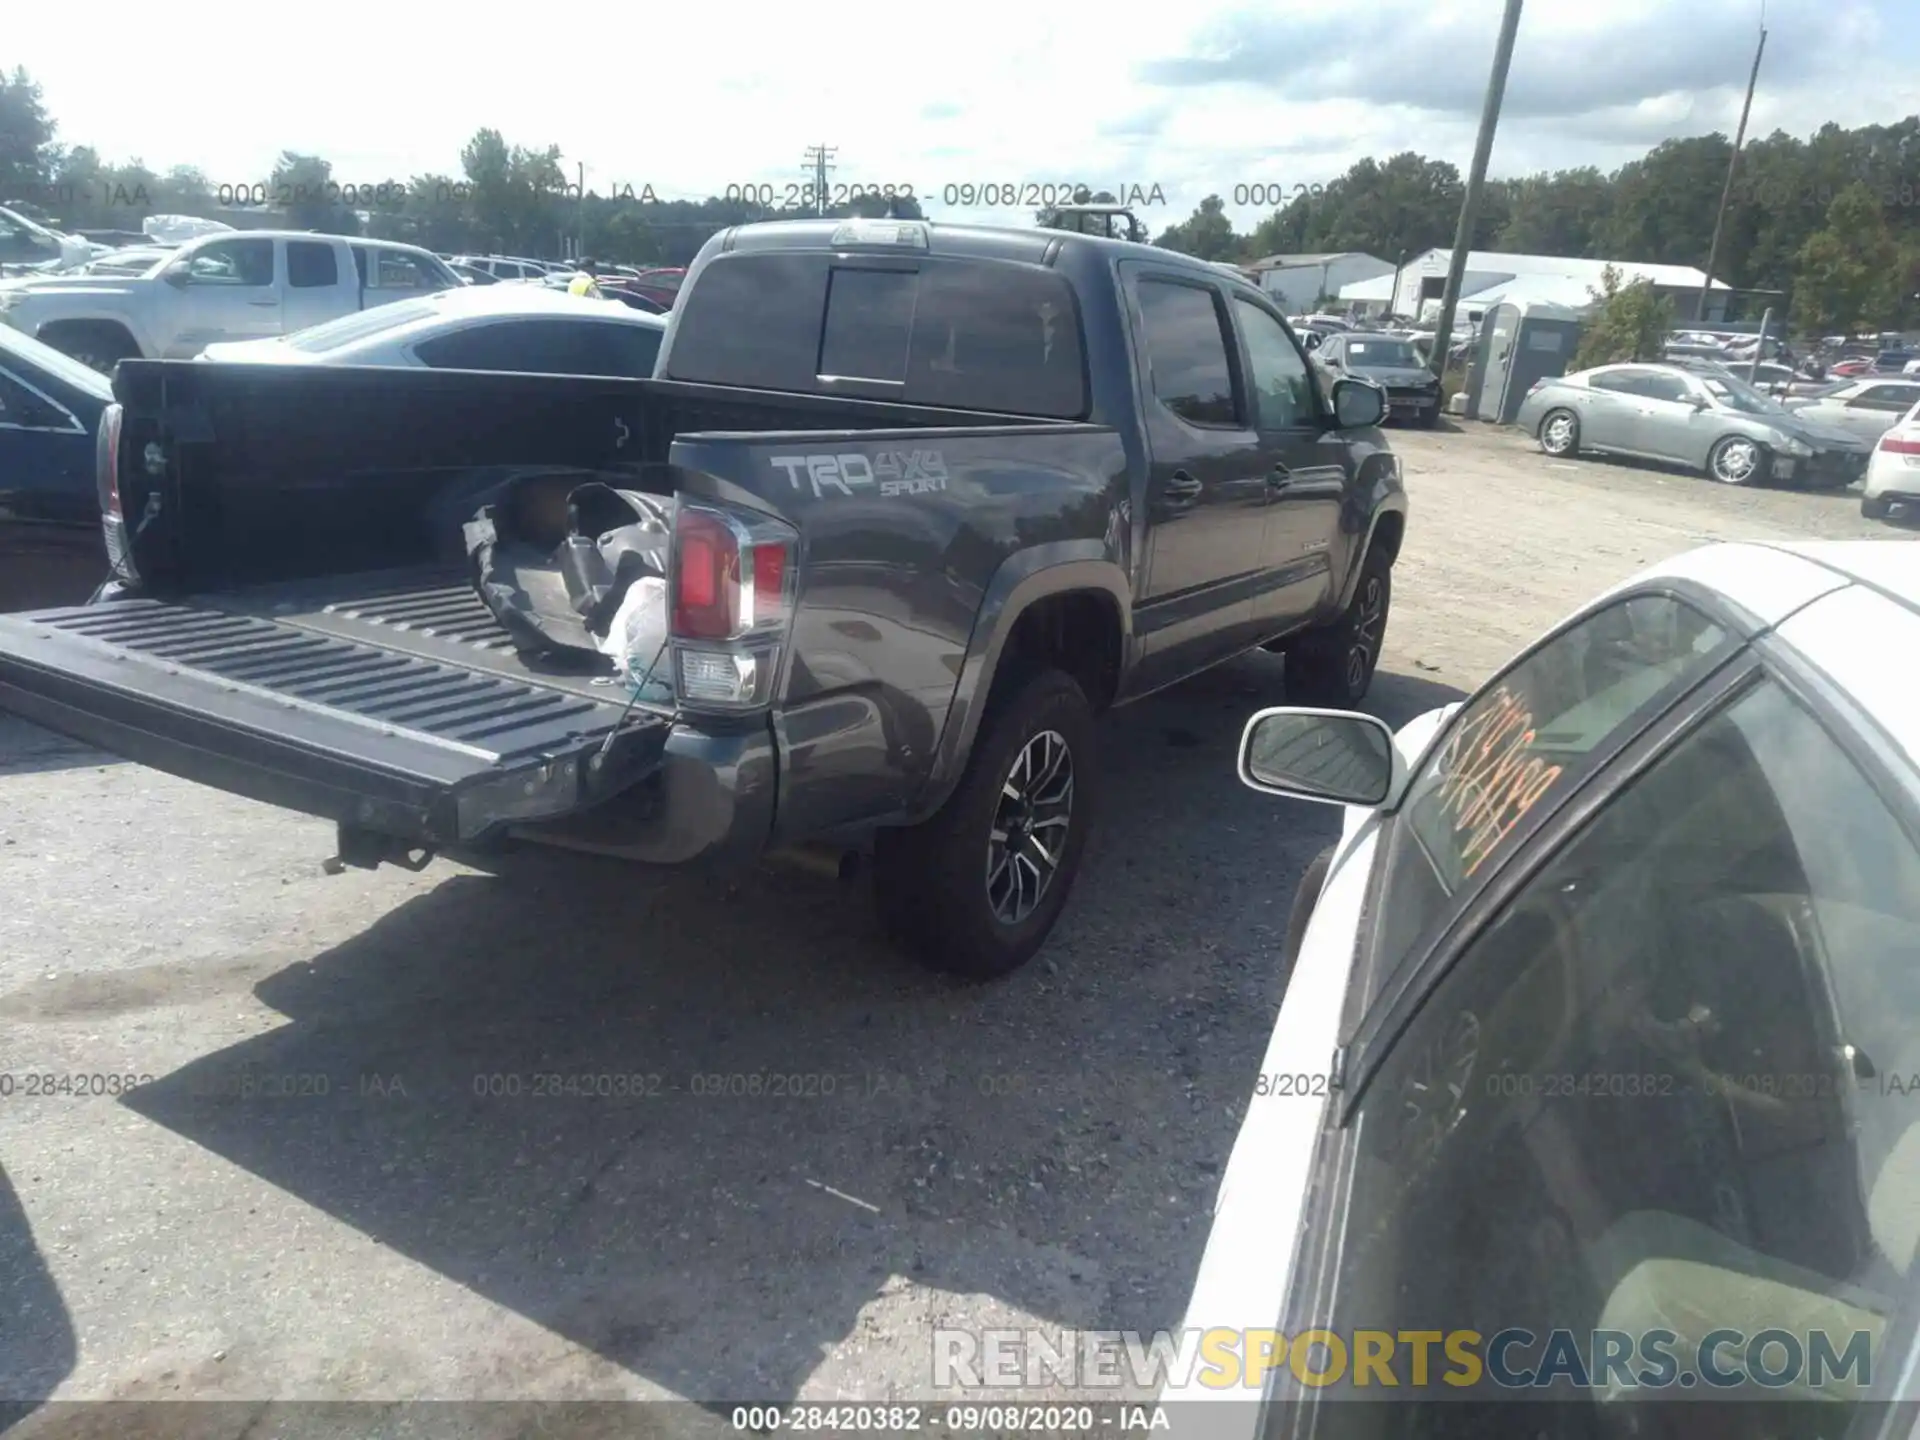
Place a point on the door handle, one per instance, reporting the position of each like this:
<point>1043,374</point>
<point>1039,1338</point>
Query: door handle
<point>1182,487</point>
<point>263,302</point>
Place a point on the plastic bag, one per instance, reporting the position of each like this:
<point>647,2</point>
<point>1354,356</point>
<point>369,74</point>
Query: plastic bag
<point>636,639</point>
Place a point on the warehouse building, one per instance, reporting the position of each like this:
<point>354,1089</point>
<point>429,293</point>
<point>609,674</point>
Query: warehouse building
<point>1296,282</point>
<point>1493,276</point>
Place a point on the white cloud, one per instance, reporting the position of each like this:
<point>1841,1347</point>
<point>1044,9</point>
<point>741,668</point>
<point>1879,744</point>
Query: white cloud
<point>997,92</point>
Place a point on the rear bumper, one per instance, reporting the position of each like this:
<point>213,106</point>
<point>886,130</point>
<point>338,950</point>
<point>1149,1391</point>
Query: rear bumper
<point>710,800</point>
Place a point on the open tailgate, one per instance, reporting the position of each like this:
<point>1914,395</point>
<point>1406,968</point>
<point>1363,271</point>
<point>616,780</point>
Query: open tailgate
<point>421,747</point>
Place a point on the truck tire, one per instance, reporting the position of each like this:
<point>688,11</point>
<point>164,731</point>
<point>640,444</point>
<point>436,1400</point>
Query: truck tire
<point>1332,665</point>
<point>975,889</point>
<point>97,344</point>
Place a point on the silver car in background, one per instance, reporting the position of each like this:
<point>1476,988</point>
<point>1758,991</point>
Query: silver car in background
<point>1866,408</point>
<point>1711,422</point>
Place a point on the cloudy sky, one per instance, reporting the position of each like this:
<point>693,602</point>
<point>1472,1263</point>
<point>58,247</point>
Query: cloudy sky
<point>1280,93</point>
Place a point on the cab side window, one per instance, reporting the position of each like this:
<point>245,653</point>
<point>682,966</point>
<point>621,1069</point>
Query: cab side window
<point>1186,345</point>
<point>232,262</point>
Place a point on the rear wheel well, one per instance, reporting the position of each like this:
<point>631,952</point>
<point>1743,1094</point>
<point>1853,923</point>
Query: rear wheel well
<point>1387,535</point>
<point>1078,632</point>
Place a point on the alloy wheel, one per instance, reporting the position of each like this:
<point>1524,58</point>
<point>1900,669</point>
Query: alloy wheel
<point>1030,825</point>
<point>1558,435</point>
<point>1735,462</point>
<point>1366,633</point>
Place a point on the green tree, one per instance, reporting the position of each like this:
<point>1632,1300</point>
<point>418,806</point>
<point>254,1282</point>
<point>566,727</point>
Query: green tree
<point>1207,234</point>
<point>1849,276</point>
<point>28,156</point>
<point>1628,322</point>
<point>1557,214</point>
<point>1664,203</point>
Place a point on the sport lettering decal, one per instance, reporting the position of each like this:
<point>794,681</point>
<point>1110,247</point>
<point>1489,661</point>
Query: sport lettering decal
<point>1492,777</point>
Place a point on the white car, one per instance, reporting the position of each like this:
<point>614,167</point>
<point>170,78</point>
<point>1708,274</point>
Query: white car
<point>524,328</point>
<point>1893,471</point>
<point>1602,1020</point>
<point>225,286</point>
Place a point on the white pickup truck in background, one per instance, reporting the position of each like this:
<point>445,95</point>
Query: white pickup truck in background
<point>246,285</point>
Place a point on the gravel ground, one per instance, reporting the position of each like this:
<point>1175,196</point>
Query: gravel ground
<point>1042,1151</point>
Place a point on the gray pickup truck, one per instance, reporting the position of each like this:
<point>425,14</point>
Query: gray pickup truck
<point>936,497</point>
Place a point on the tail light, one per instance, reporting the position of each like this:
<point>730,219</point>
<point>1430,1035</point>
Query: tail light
<point>106,459</point>
<point>113,520</point>
<point>1893,444</point>
<point>730,586</point>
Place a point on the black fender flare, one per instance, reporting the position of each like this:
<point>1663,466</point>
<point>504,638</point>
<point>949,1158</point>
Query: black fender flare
<point>1385,502</point>
<point>1023,579</point>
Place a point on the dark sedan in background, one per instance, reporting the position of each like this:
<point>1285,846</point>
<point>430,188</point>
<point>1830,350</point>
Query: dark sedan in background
<point>51,552</point>
<point>1413,391</point>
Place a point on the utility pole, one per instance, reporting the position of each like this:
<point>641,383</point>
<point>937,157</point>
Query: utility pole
<point>1726,191</point>
<point>580,220</point>
<point>1476,181</point>
<point>819,160</point>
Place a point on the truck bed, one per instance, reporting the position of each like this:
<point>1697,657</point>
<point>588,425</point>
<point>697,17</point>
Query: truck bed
<point>391,701</point>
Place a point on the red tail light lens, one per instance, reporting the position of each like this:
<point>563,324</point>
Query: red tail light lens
<point>1900,444</point>
<point>706,594</point>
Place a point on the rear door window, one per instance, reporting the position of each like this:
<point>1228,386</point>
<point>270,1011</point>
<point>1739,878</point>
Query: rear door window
<point>311,265</point>
<point>1186,348</point>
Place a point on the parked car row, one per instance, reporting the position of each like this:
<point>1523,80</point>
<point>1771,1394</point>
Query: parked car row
<point>235,286</point>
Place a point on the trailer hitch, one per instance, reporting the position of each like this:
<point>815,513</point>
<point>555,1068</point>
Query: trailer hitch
<point>370,849</point>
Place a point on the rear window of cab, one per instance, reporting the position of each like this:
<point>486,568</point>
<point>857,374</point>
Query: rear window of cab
<point>959,334</point>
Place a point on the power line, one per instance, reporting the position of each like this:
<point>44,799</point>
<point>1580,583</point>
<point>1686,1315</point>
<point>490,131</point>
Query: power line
<point>819,159</point>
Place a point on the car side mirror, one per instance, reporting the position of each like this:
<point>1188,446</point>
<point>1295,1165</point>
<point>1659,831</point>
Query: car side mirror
<point>1698,402</point>
<point>1358,404</point>
<point>177,276</point>
<point>1334,757</point>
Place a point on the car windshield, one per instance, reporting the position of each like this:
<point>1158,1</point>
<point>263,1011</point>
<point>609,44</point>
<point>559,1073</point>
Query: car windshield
<point>361,325</point>
<point>1738,395</point>
<point>1383,352</point>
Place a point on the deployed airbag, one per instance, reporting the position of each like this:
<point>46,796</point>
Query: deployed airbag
<point>575,568</point>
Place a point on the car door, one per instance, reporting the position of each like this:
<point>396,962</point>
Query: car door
<point>1309,470</point>
<point>1207,480</point>
<point>1497,767</point>
<point>1607,408</point>
<point>230,291</point>
<point>1659,1086</point>
<point>315,287</point>
<point>1672,420</point>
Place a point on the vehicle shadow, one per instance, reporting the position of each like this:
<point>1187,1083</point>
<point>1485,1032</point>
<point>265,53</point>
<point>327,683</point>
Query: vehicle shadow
<point>26,749</point>
<point>762,1120</point>
<point>41,1349</point>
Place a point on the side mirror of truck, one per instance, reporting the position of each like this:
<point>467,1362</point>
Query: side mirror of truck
<point>176,275</point>
<point>1358,404</point>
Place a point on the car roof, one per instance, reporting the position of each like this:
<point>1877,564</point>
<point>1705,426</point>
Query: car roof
<point>499,302</point>
<point>1763,577</point>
